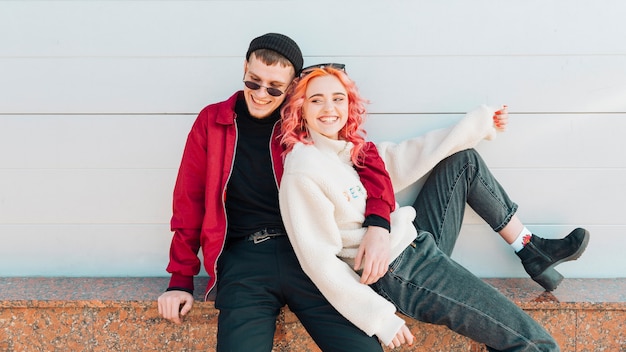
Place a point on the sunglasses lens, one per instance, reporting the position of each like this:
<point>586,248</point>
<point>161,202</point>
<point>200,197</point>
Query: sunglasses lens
<point>274,92</point>
<point>251,85</point>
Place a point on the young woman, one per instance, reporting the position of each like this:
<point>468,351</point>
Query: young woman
<point>322,204</point>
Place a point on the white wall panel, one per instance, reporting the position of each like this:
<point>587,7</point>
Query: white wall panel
<point>393,84</point>
<point>116,85</point>
<point>549,196</point>
<point>527,84</point>
<point>157,141</point>
<point>83,196</point>
<point>84,250</point>
<point>93,142</point>
<point>372,28</point>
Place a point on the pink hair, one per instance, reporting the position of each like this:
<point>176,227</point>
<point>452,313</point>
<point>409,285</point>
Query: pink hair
<point>293,128</point>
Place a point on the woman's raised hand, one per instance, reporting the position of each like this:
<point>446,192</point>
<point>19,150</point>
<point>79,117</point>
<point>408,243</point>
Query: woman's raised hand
<point>501,118</point>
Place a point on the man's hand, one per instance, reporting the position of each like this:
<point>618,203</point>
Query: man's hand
<point>373,254</point>
<point>402,336</point>
<point>170,305</point>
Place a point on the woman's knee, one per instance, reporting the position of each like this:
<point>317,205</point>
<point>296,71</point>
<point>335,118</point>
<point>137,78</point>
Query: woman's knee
<point>465,156</point>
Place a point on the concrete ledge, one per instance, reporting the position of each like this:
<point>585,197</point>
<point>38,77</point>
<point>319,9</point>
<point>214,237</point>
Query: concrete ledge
<point>105,314</point>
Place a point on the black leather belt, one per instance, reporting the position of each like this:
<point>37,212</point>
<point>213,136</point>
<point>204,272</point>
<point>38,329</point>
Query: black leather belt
<point>264,235</point>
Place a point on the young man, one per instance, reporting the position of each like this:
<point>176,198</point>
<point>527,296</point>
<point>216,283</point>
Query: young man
<point>226,202</point>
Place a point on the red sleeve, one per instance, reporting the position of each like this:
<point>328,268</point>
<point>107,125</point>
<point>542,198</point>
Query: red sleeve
<point>380,198</point>
<point>188,209</point>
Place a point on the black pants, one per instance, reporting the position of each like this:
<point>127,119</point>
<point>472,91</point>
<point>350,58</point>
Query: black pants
<point>255,281</point>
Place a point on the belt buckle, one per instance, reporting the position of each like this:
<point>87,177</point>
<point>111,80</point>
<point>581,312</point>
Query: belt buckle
<point>261,238</point>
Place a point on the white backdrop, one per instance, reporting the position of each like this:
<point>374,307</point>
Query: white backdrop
<point>97,97</point>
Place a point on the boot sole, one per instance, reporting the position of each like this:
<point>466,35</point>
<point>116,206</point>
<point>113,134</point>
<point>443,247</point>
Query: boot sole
<point>549,279</point>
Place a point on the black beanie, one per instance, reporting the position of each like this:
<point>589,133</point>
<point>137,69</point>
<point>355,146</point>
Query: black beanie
<point>281,44</point>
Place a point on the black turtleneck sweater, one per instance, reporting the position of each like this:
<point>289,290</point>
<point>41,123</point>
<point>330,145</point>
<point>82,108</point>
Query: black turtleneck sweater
<point>252,194</point>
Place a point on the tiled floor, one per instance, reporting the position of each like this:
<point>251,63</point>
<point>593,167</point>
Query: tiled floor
<point>97,314</point>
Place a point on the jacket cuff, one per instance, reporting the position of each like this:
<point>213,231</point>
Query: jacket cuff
<point>181,282</point>
<point>377,206</point>
<point>375,220</point>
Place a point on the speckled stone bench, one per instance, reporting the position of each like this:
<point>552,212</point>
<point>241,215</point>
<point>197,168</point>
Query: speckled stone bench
<point>120,314</point>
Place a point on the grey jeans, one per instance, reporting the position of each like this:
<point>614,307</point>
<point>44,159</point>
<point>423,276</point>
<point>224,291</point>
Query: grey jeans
<point>424,283</point>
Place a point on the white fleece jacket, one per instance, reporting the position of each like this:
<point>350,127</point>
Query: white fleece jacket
<point>322,202</point>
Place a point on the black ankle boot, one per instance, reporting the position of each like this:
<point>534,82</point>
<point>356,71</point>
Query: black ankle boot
<point>540,256</point>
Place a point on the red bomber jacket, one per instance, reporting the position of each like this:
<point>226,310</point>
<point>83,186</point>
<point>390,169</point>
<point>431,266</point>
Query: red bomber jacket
<point>199,215</point>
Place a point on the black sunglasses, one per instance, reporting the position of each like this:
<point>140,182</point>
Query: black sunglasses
<point>275,92</point>
<point>305,71</point>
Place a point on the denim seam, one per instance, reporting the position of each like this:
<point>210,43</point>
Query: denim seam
<point>449,196</point>
<point>511,211</point>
